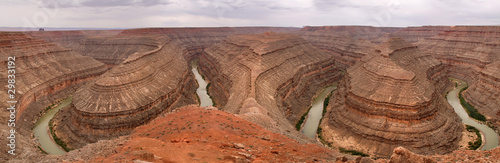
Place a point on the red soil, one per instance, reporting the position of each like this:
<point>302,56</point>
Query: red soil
<point>194,134</point>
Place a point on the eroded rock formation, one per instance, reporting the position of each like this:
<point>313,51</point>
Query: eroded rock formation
<point>276,74</point>
<point>114,50</point>
<point>71,39</point>
<point>370,33</point>
<point>415,34</point>
<point>402,155</point>
<point>114,46</point>
<point>43,72</point>
<point>345,50</point>
<point>130,94</point>
<point>472,53</point>
<point>390,99</point>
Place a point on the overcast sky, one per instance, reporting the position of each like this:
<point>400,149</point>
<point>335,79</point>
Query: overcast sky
<point>202,13</point>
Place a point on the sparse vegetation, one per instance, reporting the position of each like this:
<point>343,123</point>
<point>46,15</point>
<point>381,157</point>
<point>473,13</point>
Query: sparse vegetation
<point>208,92</point>
<point>58,141</point>
<point>299,123</point>
<point>321,139</point>
<point>473,112</point>
<point>352,152</point>
<point>476,144</point>
<point>43,151</point>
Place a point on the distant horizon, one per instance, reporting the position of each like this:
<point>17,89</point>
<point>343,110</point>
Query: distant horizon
<point>16,29</point>
<point>231,13</point>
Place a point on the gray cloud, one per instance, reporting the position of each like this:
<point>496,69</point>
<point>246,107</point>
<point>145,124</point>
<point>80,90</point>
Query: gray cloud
<point>166,13</point>
<point>102,3</point>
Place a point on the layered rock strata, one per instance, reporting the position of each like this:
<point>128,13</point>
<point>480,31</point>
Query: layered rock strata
<point>415,34</point>
<point>345,50</point>
<point>114,50</point>
<point>268,74</point>
<point>129,95</point>
<point>197,39</point>
<point>370,33</point>
<point>485,93</point>
<point>73,38</point>
<point>471,53</point>
<point>42,70</point>
<point>390,99</point>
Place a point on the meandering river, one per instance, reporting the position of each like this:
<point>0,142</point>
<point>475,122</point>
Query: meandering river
<point>489,135</point>
<point>42,133</point>
<point>205,99</point>
<point>316,113</point>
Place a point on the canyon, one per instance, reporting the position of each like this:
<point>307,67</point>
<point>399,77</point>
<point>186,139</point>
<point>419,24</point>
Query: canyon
<point>391,98</point>
<point>134,92</point>
<point>471,53</point>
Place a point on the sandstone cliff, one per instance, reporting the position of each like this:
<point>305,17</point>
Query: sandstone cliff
<point>472,53</point>
<point>114,46</point>
<point>345,50</point>
<point>390,99</point>
<point>390,96</point>
<point>270,78</point>
<point>130,94</point>
<point>44,72</point>
<point>73,38</point>
<point>370,33</point>
<point>115,49</point>
<point>415,34</point>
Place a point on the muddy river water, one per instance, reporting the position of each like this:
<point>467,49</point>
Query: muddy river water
<point>316,113</point>
<point>205,99</point>
<point>42,133</point>
<point>489,135</point>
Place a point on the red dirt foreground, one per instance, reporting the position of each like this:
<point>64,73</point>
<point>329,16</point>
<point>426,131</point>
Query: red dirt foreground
<point>194,134</point>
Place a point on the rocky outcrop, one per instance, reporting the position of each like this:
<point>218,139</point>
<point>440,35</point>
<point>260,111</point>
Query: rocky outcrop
<point>471,53</point>
<point>278,72</point>
<point>129,95</point>
<point>42,70</point>
<point>402,155</point>
<point>390,99</point>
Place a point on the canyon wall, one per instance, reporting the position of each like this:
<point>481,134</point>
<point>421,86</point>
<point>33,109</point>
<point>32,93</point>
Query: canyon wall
<point>71,39</point>
<point>114,46</point>
<point>415,34</point>
<point>388,95</point>
<point>390,99</point>
<point>128,95</point>
<point>345,50</point>
<point>268,78</point>
<point>472,53</point>
<point>114,50</point>
<point>369,33</point>
<point>42,70</point>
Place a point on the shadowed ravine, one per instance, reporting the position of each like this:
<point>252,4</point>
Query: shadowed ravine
<point>42,132</point>
<point>490,136</point>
